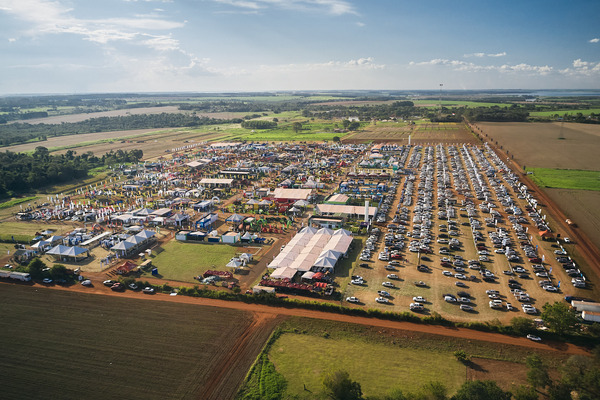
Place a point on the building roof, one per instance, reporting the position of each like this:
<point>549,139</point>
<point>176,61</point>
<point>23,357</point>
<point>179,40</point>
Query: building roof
<point>216,181</point>
<point>344,209</point>
<point>338,198</point>
<point>295,194</point>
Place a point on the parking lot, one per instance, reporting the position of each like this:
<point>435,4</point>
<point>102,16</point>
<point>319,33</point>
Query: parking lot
<point>460,235</point>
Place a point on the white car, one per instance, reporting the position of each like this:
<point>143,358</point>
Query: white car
<point>382,300</point>
<point>47,280</point>
<point>466,307</point>
<point>416,307</point>
<point>450,299</point>
<point>447,273</point>
<point>383,293</point>
<point>352,299</point>
<point>86,282</point>
<point>388,284</point>
<point>534,338</point>
<point>357,282</point>
<point>419,299</point>
<point>148,290</point>
<point>393,276</point>
<point>460,276</point>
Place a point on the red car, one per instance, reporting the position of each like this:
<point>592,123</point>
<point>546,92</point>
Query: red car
<point>118,286</point>
<point>535,260</point>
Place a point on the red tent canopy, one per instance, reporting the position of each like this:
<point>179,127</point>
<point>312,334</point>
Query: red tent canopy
<point>126,267</point>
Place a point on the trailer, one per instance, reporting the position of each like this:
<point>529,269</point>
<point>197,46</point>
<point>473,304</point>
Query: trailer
<point>20,276</point>
<point>4,273</point>
<point>585,306</point>
<point>590,316</point>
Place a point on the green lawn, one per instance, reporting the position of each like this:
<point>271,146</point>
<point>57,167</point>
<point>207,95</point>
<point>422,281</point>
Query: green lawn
<point>182,261</point>
<point>457,103</point>
<point>302,359</point>
<point>566,178</point>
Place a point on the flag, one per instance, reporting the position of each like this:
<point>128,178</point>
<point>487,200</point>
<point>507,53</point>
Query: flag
<point>558,285</point>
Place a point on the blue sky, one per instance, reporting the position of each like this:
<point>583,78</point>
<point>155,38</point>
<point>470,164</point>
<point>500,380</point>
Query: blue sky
<point>78,46</point>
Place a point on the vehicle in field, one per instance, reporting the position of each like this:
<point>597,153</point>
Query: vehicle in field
<point>352,299</point>
<point>148,290</point>
<point>466,307</point>
<point>388,284</point>
<point>534,338</point>
<point>382,300</point>
<point>109,283</point>
<point>86,282</point>
<point>118,287</point>
<point>357,282</point>
<point>383,293</point>
<point>47,280</point>
<point>132,286</point>
<point>419,299</point>
<point>420,284</point>
<point>392,276</point>
<point>416,307</point>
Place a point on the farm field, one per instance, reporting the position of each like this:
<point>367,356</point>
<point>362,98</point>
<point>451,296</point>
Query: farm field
<point>581,206</point>
<point>100,347</point>
<point>587,111</point>
<point>421,133</point>
<point>59,119</point>
<point>538,145</point>
<point>384,359</point>
<point>566,178</point>
<point>182,261</point>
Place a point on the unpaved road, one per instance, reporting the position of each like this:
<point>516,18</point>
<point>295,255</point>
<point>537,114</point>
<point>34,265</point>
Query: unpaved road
<point>273,311</point>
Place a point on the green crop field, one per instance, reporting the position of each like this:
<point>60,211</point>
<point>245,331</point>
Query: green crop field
<point>182,261</point>
<point>564,112</point>
<point>310,132</point>
<point>66,345</point>
<point>566,178</point>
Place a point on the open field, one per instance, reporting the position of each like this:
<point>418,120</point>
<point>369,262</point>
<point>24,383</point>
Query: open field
<point>421,133</point>
<point>62,344</point>
<point>383,359</point>
<point>563,112</point>
<point>538,144</point>
<point>376,366</point>
<point>182,261</point>
<point>580,206</point>
<point>566,178</point>
<point>59,119</point>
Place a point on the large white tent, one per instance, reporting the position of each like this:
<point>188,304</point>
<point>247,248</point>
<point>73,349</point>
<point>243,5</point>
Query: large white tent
<point>310,248</point>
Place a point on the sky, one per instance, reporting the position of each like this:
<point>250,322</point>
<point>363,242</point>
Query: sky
<point>81,46</point>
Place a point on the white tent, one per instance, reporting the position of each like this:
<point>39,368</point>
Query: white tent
<point>283,273</point>
<point>234,263</point>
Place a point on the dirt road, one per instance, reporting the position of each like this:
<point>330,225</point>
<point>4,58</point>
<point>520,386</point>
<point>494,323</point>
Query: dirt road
<point>273,311</point>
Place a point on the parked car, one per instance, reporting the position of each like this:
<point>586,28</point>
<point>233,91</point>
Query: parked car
<point>86,282</point>
<point>382,300</point>
<point>109,283</point>
<point>393,276</point>
<point>388,284</point>
<point>117,286</point>
<point>148,290</point>
<point>419,299</point>
<point>352,299</point>
<point>534,338</point>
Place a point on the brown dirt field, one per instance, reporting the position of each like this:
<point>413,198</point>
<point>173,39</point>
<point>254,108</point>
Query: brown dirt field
<point>581,206</point>
<point>59,119</point>
<point>537,144</point>
<point>420,134</point>
<point>228,375</point>
<point>464,333</point>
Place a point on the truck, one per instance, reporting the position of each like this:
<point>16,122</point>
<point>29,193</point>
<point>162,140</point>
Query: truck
<point>4,274</point>
<point>20,276</point>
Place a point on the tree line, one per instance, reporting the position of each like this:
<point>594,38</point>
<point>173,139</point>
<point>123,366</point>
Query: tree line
<point>22,173</point>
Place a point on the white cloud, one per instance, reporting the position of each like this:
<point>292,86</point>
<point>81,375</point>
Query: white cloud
<point>365,63</point>
<point>51,17</point>
<point>481,55</point>
<point>12,40</point>
<point>332,7</point>
<point>595,40</point>
<point>583,68</point>
<point>458,65</point>
<point>360,24</point>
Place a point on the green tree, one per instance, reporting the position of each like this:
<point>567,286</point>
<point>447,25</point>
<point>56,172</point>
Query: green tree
<point>345,123</point>
<point>395,394</point>
<point>537,375</point>
<point>461,356</point>
<point>561,391</point>
<point>336,138</point>
<point>481,390</point>
<point>559,317</point>
<point>522,325</point>
<point>339,386</point>
<point>583,375</point>
<point>297,126</point>
<point>354,125</point>
<point>523,392</point>
<point>59,271</point>
<point>432,391</point>
<point>35,268</point>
